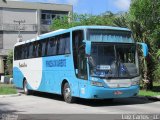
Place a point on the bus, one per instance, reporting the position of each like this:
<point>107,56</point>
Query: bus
<point>90,62</point>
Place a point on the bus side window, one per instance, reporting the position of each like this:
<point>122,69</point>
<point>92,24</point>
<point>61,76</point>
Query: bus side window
<point>30,50</point>
<point>61,45</point>
<point>16,53</point>
<point>35,49</point>
<point>67,43</point>
<point>26,52</point>
<point>54,47</point>
<point>50,47</point>
<point>39,49</point>
<point>20,53</point>
<point>44,48</point>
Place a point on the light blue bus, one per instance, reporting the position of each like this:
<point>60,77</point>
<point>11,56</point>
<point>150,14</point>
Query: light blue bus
<point>90,62</point>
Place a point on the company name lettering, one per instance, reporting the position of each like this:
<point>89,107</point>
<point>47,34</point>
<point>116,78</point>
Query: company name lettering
<point>22,65</point>
<point>56,63</point>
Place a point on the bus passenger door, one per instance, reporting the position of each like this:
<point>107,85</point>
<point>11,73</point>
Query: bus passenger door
<point>82,73</point>
<point>80,63</point>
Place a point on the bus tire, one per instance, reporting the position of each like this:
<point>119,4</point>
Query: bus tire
<point>25,88</point>
<point>67,94</point>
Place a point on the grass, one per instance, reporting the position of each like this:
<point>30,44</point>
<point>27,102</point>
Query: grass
<point>6,89</point>
<point>154,92</point>
<point>148,93</point>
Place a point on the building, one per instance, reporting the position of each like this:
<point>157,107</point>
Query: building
<point>31,19</point>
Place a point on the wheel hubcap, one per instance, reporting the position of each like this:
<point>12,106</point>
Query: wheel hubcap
<point>25,88</point>
<point>67,93</point>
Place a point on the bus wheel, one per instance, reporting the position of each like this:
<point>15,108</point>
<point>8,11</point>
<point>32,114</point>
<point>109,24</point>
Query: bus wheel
<point>67,93</point>
<point>25,88</point>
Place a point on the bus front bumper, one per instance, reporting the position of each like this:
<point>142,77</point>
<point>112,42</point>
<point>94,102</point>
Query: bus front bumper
<point>107,93</point>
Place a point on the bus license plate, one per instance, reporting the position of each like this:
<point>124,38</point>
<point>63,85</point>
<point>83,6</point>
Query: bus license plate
<point>118,93</point>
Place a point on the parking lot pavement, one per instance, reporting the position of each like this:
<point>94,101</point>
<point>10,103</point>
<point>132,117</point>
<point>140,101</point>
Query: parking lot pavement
<point>42,103</point>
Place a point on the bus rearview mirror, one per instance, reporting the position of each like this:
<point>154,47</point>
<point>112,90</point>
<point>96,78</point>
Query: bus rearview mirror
<point>144,48</point>
<point>88,47</point>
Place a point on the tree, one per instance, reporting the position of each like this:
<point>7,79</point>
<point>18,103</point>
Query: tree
<point>144,22</point>
<point>9,63</point>
<point>83,19</point>
<point>121,20</point>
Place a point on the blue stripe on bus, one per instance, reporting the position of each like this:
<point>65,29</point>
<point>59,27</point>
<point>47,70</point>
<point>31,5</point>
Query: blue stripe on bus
<point>19,78</point>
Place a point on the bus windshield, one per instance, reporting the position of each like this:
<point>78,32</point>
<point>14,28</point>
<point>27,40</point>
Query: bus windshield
<point>113,60</point>
<point>103,35</point>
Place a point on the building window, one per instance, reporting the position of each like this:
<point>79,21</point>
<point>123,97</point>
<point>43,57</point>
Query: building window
<point>43,16</point>
<point>48,16</point>
<point>53,17</point>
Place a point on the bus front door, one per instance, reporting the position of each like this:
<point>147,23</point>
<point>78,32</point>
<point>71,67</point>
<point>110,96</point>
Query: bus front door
<point>82,73</point>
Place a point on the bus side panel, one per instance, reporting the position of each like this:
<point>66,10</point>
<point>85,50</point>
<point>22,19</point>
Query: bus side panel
<point>30,70</point>
<point>55,70</point>
<point>70,78</point>
<point>42,86</point>
<point>74,84</point>
<point>46,74</point>
<point>83,88</point>
<point>18,77</point>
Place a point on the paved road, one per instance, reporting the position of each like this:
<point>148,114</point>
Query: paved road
<point>52,104</point>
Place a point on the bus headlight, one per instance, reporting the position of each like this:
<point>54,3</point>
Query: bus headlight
<point>135,82</point>
<point>95,83</point>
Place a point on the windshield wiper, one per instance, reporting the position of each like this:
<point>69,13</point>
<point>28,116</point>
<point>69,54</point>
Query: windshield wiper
<point>124,68</point>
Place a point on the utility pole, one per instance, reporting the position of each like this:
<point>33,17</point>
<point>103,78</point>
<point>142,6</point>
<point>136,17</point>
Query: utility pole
<point>4,1</point>
<point>19,39</point>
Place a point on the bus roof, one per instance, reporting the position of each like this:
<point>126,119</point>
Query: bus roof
<point>61,31</point>
<point>100,27</point>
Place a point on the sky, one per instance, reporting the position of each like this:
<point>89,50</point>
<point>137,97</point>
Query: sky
<point>91,6</point>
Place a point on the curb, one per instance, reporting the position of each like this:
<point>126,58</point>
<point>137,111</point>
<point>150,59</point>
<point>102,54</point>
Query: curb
<point>10,95</point>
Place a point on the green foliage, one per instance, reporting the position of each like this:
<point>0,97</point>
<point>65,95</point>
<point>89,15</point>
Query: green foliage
<point>155,91</point>
<point>83,19</point>
<point>9,63</point>
<point>158,54</point>
<point>122,21</point>
<point>7,89</point>
<point>156,73</point>
<point>144,22</point>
